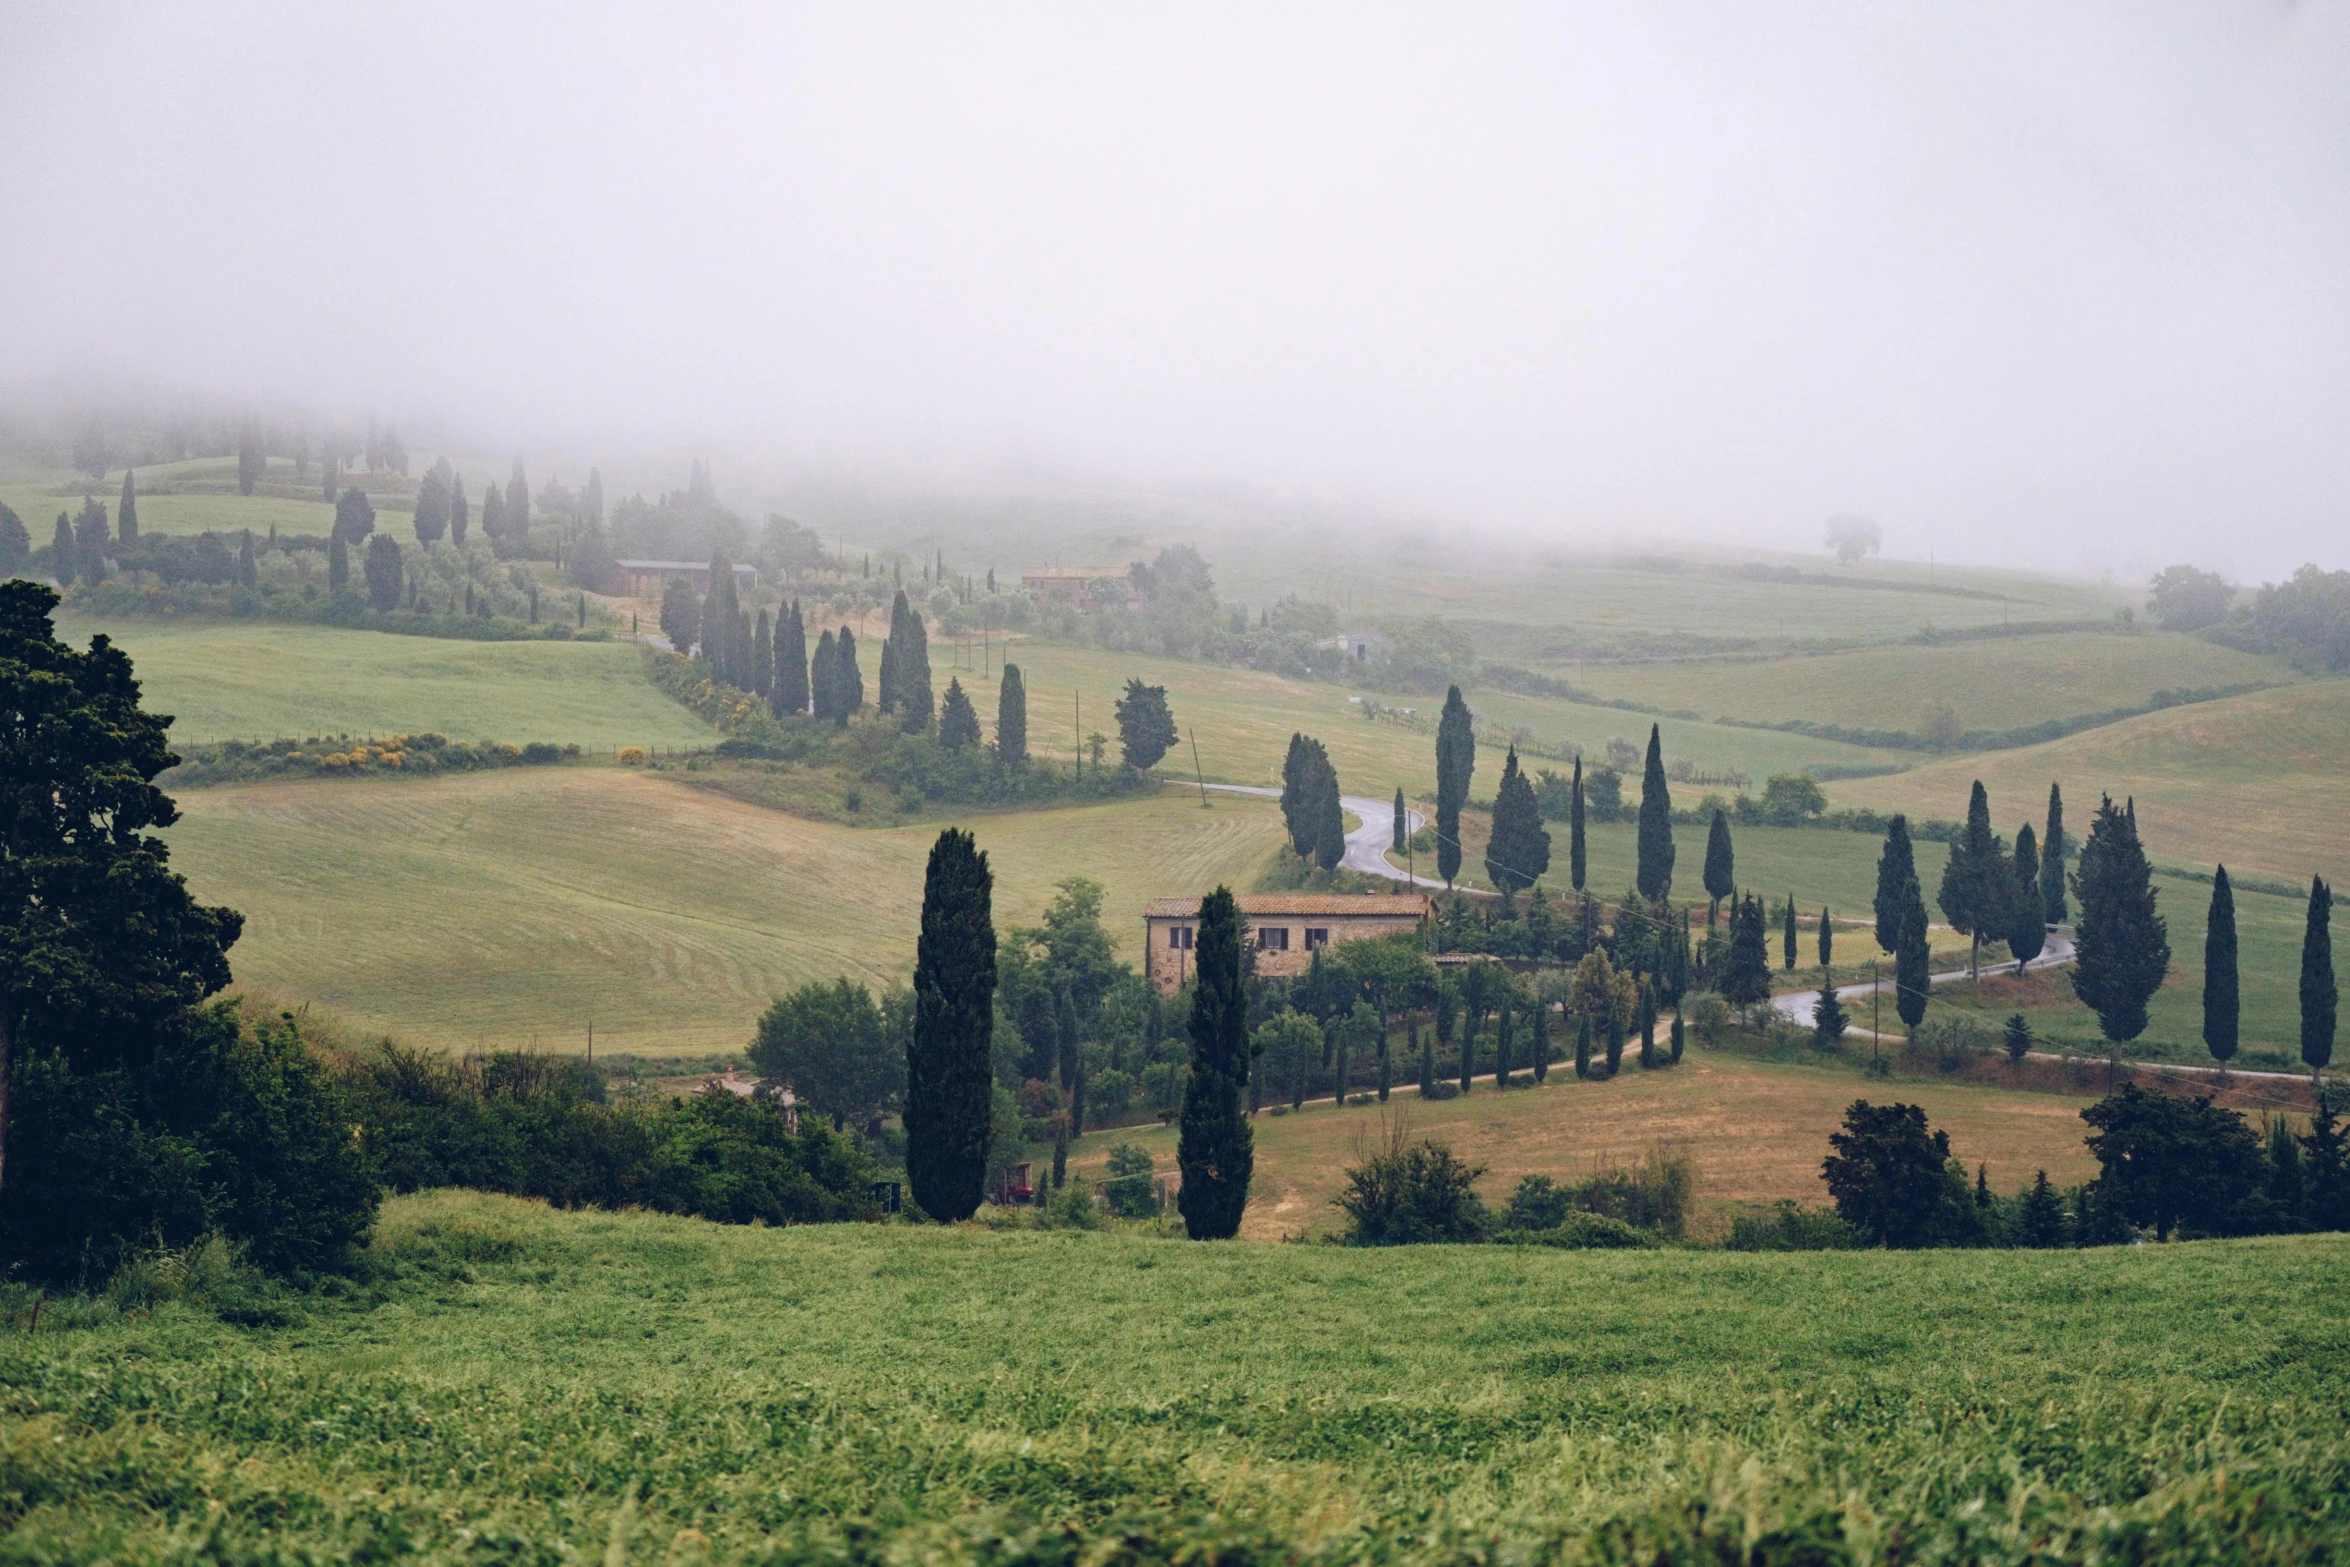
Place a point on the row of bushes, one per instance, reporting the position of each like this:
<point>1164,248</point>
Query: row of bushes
<point>340,756</point>
<point>121,596</point>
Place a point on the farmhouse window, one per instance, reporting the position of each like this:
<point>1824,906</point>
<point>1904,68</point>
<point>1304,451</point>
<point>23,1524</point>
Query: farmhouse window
<point>1179,937</point>
<point>1317,936</point>
<point>1273,938</point>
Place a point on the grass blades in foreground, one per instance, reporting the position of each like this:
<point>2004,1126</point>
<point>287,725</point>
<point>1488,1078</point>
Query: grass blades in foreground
<point>520,1385</point>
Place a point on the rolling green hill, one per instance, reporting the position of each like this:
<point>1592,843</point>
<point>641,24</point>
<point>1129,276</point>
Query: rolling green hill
<point>517,1384</point>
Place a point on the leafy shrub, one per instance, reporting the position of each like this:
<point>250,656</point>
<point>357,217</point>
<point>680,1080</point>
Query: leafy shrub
<point>1584,1232</point>
<point>1131,1192</point>
<point>1793,1227</point>
<point>1410,1193</point>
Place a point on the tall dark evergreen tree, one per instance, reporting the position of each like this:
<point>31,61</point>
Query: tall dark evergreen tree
<point>248,569</point>
<point>2052,855</point>
<point>493,517</point>
<point>1913,970</point>
<point>338,564</point>
<point>1746,976</point>
<point>460,515</point>
<point>1328,815</point>
<point>1978,883</point>
<point>1828,1019</point>
<point>354,517</point>
<point>950,1078</point>
<point>718,607</point>
<point>1400,827</point>
<point>915,700</point>
<point>2222,1009</point>
<point>1540,1045</point>
<point>1456,764</point>
<point>62,552</point>
<point>885,687</point>
<point>126,512</point>
<point>16,543</point>
<point>1654,877</point>
<point>1896,866</point>
<point>1011,719</point>
<point>958,721</point>
<point>1519,850</point>
<point>1721,864</point>
<point>2122,948</point>
<point>90,540</point>
<point>791,663</point>
<point>1146,726</point>
<point>1578,852</point>
<point>1215,1149</point>
<point>1787,932</point>
<point>1827,939</point>
<point>823,682</point>
<point>763,656</point>
<point>2318,995</point>
<point>2027,927</point>
<point>518,507</point>
<point>848,680</point>
<point>251,462</point>
<point>1296,776</point>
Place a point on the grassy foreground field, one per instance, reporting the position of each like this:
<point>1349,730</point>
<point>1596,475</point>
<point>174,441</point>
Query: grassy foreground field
<point>2260,782</point>
<point>257,680</point>
<point>492,910</point>
<point>515,1385</point>
<point>1754,1131</point>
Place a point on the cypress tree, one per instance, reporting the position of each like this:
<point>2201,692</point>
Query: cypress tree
<point>1680,1036</point>
<point>1402,816</point>
<point>2052,849</point>
<point>1329,816</point>
<point>1583,1045</point>
<point>885,687</point>
<point>1519,851</point>
<point>1746,977</point>
<point>762,654</point>
<point>61,552</point>
<point>915,702</point>
<point>2318,996</point>
<point>1615,1042</point>
<point>1721,864</point>
<point>1541,1040</point>
<point>1977,894</point>
<point>16,544</point>
<point>1504,1031</point>
<point>460,515</point>
<point>848,682</point>
<point>1427,1062</point>
<point>1296,773</point>
<point>2221,1007</point>
<point>1896,868</point>
<point>126,514</point>
<point>1215,1149</point>
<point>1011,719</point>
<point>2040,1226</point>
<point>790,696</point>
<point>1655,874</point>
<point>338,564</point>
<point>823,685</point>
<point>90,539</point>
<point>248,569</point>
<point>2123,946</point>
<point>2019,1036</point>
<point>2027,931</point>
<point>1645,1012</point>
<point>1787,935</point>
<point>1578,855</point>
<point>1913,975</point>
<point>958,721</point>
<point>518,513</point>
<point>1827,940</point>
<point>1828,1020</point>
<point>493,517</point>
<point>1456,763</point>
<point>950,1079</point>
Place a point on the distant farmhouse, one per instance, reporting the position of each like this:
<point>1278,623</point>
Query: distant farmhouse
<point>646,578</point>
<point>1360,646</point>
<point>1087,587</point>
<point>1284,927</point>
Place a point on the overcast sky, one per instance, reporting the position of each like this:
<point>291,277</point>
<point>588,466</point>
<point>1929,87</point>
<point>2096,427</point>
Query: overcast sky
<point>2052,284</point>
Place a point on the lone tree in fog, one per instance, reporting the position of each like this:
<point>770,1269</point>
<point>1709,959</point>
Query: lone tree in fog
<point>2318,995</point>
<point>126,513</point>
<point>681,613</point>
<point>1216,1148</point>
<point>493,517</point>
<point>382,567</point>
<point>1400,827</point>
<point>1011,719</point>
<point>1456,763</point>
<point>1146,725</point>
<point>1578,851</point>
<point>1655,874</point>
<point>432,507</point>
<point>950,1082</point>
<point>2052,847</point>
<point>61,551</point>
<point>958,722</point>
<point>354,517</point>
<point>460,518</point>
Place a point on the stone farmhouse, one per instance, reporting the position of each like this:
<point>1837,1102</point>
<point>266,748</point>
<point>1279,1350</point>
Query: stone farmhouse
<point>647,578</point>
<point>1285,928</point>
<point>1087,587</point>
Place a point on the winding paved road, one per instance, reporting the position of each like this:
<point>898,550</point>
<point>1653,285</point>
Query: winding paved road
<point>1367,845</point>
<point>1802,1006</point>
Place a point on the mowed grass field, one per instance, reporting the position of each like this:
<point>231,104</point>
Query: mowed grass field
<point>255,680</point>
<point>516,1384</point>
<point>1755,1132</point>
<point>1243,719</point>
<point>495,910</point>
<point>198,495</point>
<point>2005,684</point>
<point>2259,782</point>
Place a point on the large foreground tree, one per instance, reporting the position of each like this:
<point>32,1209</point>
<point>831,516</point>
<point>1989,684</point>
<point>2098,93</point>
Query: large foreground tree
<point>950,1080</point>
<point>1216,1148</point>
<point>102,949</point>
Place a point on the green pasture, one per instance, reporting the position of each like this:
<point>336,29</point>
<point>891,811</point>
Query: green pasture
<point>2260,783</point>
<point>495,910</point>
<point>2004,683</point>
<point>1243,718</point>
<point>255,679</point>
<point>515,1384</point>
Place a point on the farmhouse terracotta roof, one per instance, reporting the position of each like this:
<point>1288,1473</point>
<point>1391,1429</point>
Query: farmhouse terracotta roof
<point>1300,904</point>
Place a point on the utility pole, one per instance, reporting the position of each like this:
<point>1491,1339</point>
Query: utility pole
<point>1077,740</point>
<point>1201,777</point>
<point>1876,1007</point>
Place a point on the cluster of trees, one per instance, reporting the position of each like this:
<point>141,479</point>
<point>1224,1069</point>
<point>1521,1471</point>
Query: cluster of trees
<point>2306,617</point>
<point>2168,1165</point>
<point>1309,803</point>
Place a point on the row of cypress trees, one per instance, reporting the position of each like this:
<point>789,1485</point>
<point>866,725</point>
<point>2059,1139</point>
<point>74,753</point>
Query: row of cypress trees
<point>905,668</point>
<point>2222,986</point>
